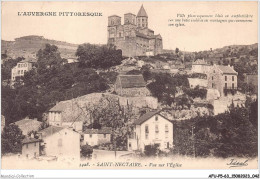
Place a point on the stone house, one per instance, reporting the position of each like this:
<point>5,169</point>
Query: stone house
<point>60,142</point>
<point>31,147</point>
<point>223,78</point>
<point>200,66</point>
<point>66,114</point>
<point>151,128</point>
<point>131,85</point>
<point>97,136</point>
<point>22,67</point>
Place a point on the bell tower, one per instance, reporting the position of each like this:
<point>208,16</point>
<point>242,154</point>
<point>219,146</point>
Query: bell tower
<point>142,18</point>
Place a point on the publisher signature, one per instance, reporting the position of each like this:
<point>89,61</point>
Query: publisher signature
<point>235,163</point>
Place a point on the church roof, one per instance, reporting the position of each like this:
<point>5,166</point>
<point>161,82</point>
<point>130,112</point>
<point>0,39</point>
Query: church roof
<point>142,12</point>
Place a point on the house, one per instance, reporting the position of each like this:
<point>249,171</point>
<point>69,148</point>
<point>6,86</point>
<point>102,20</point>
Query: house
<point>60,142</point>
<point>31,147</point>
<point>151,128</point>
<point>2,123</point>
<point>27,125</point>
<point>131,85</point>
<point>97,136</point>
<point>223,78</point>
<point>23,66</point>
<point>202,83</point>
<point>200,66</point>
<point>66,114</point>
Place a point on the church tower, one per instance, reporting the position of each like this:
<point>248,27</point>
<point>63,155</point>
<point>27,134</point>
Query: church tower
<point>142,18</point>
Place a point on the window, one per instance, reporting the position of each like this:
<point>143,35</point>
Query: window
<point>146,131</point>
<point>27,155</point>
<point>233,78</point>
<point>166,128</point>
<point>156,118</point>
<point>233,86</point>
<point>27,146</point>
<point>35,144</point>
<point>130,145</point>
<point>212,85</point>
<point>90,135</point>
<point>225,78</point>
<point>212,78</point>
<point>156,129</point>
<point>59,142</point>
<point>18,72</point>
<point>34,154</point>
<point>105,135</point>
<point>19,65</point>
<point>226,85</point>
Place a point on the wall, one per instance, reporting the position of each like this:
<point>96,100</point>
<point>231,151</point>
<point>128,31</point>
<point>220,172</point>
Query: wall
<point>55,118</point>
<point>70,144</point>
<point>32,150</point>
<point>96,139</point>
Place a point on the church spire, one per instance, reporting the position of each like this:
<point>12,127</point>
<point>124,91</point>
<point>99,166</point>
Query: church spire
<point>142,12</point>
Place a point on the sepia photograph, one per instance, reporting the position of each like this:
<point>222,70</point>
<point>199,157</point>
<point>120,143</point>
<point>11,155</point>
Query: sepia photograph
<point>129,85</point>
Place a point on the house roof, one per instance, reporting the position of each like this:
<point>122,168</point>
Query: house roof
<point>50,130</point>
<point>142,12</point>
<point>59,107</point>
<point>29,60</point>
<point>147,116</point>
<point>227,69</point>
<point>131,81</point>
<point>28,124</point>
<point>200,62</point>
<point>28,140</point>
<point>104,130</point>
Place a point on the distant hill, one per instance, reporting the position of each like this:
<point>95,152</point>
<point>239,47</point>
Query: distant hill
<point>28,46</point>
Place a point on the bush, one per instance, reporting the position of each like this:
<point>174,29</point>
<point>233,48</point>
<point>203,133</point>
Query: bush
<point>86,151</point>
<point>151,150</point>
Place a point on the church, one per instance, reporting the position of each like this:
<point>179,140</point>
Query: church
<point>134,37</point>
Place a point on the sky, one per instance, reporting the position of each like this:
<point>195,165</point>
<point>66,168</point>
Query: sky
<point>87,29</point>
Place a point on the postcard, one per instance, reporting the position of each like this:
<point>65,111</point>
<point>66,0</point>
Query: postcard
<point>129,85</point>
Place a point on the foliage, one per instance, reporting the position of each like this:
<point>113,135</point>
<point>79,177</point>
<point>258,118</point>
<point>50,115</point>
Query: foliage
<point>86,151</point>
<point>6,67</point>
<point>109,113</point>
<point>225,135</point>
<point>93,56</point>
<point>43,88</point>
<point>164,86</point>
<point>11,139</point>
<point>48,57</point>
<point>134,72</point>
<point>151,150</point>
<point>196,92</point>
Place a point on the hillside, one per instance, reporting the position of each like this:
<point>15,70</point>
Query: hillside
<point>28,46</point>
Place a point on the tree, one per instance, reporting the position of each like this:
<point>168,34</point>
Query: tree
<point>93,56</point>
<point>177,51</point>
<point>86,151</point>
<point>11,139</point>
<point>48,57</point>
<point>109,113</point>
<point>164,88</point>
